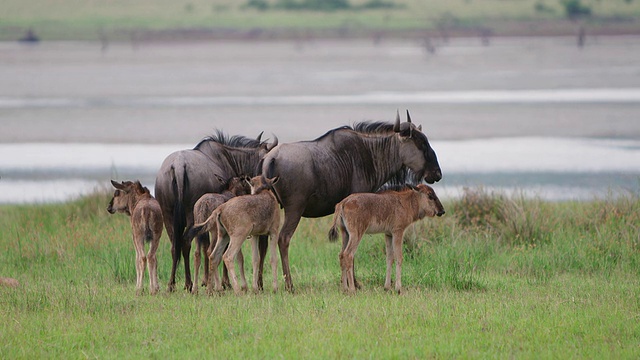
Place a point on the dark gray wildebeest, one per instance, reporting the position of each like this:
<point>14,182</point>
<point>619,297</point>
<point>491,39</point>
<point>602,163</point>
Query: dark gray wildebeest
<point>389,212</point>
<point>241,217</point>
<point>186,175</point>
<point>203,208</point>
<point>146,224</point>
<point>316,175</point>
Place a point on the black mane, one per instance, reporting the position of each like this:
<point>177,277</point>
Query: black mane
<point>237,141</point>
<point>363,127</point>
<point>373,127</point>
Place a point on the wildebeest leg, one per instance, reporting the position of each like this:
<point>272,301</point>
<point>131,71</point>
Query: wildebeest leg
<point>397,254</point>
<point>240,263</point>
<point>255,260</point>
<point>196,265</point>
<point>291,220</point>
<point>138,243</point>
<point>389,252</point>
<point>152,265</point>
<point>346,262</point>
<point>262,246</point>
<point>168,224</point>
<point>214,260</point>
<point>273,237</point>
<point>229,257</point>
<point>345,242</point>
<point>204,245</point>
<point>186,251</point>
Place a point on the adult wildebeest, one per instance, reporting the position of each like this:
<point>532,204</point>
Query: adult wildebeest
<point>146,224</point>
<point>389,212</point>
<point>316,175</point>
<point>186,175</point>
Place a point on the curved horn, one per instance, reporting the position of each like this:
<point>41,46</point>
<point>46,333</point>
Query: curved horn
<point>408,117</point>
<point>273,144</point>
<point>396,126</point>
<point>259,138</point>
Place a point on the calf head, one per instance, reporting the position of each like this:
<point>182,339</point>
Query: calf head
<point>124,195</point>
<point>260,183</point>
<point>429,203</point>
<point>416,152</point>
<point>239,185</point>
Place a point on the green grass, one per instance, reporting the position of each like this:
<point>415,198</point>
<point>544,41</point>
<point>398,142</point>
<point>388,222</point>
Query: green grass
<point>86,20</point>
<point>496,277</point>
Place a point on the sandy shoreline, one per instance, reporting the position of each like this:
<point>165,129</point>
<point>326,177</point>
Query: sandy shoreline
<point>70,70</point>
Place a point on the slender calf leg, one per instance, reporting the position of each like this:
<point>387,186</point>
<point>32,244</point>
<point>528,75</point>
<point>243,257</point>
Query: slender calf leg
<point>349,253</point>
<point>152,264</point>
<point>240,263</point>
<point>196,266</point>
<point>388,242</point>
<point>141,260</point>
<point>397,254</point>
<point>229,257</point>
<point>215,258</point>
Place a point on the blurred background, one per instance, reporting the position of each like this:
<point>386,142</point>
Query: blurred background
<point>540,98</point>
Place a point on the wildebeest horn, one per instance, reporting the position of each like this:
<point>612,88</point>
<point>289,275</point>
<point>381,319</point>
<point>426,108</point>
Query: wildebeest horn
<point>409,121</point>
<point>259,138</point>
<point>396,126</point>
<point>273,144</point>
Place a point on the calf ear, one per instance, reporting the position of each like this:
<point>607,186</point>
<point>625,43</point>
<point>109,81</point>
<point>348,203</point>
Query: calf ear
<point>274,180</point>
<point>117,185</point>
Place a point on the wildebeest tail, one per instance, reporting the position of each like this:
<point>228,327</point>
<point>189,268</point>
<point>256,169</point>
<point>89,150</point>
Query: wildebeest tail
<point>179,184</point>
<point>207,225</point>
<point>333,232</point>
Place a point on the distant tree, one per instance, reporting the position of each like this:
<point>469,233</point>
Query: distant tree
<point>575,9</point>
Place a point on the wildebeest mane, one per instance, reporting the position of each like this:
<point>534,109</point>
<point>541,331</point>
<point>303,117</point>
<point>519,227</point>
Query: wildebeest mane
<point>373,127</point>
<point>237,141</point>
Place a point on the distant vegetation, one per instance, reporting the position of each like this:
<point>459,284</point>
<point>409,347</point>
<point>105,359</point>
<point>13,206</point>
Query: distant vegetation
<point>205,19</point>
<point>320,5</point>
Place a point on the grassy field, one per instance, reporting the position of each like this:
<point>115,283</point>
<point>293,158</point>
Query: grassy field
<point>90,20</point>
<point>496,277</point>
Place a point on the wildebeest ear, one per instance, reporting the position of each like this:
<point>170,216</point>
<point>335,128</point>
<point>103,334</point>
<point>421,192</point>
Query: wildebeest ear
<point>420,127</point>
<point>273,180</point>
<point>117,185</point>
<point>139,188</point>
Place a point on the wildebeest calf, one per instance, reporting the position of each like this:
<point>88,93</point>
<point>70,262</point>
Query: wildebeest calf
<point>203,208</point>
<point>389,212</point>
<point>239,218</point>
<point>146,223</point>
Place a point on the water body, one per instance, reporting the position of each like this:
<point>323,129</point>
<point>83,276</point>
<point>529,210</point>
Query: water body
<point>550,168</point>
<point>537,116</point>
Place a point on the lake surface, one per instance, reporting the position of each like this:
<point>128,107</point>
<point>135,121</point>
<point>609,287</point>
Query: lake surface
<point>537,116</point>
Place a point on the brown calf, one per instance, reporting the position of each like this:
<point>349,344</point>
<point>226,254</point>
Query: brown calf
<point>146,223</point>
<point>203,208</point>
<point>239,218</point>
<point>389,212</point>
